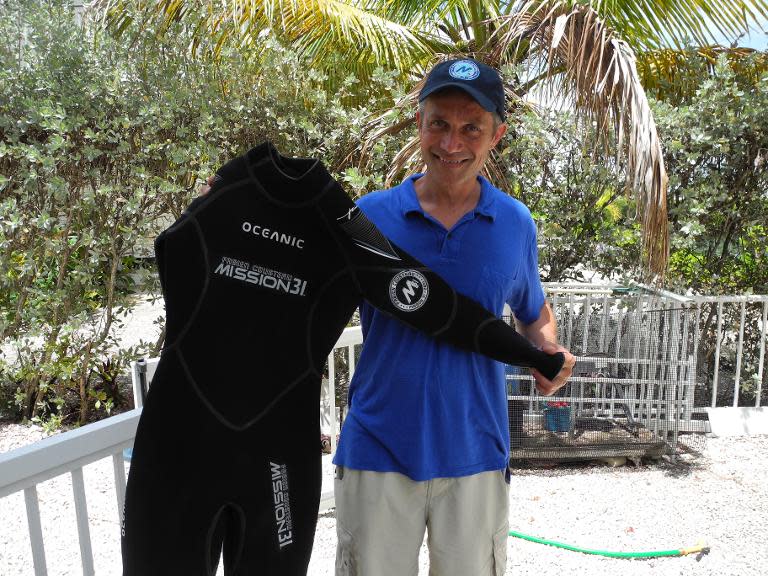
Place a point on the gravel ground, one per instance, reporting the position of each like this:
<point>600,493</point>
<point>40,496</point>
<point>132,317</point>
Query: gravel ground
<point>718,497</point>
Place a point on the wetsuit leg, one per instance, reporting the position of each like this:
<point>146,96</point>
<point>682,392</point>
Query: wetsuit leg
<point>197,487</point>
<point>174,493</point>
<point>277,470</point>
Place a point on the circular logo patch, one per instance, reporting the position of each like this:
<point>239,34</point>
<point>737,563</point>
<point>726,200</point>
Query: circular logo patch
<point>464,70</point>
<point>408,290</point>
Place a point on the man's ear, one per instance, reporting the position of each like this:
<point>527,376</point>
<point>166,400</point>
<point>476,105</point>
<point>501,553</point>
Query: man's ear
<point>418,119</point>
<point>500,131</point>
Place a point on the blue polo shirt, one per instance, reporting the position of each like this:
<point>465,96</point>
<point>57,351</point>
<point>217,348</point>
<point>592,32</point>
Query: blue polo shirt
<point>418,406</point>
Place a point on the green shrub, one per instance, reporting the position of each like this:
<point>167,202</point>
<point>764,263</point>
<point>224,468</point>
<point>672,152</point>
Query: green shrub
<point>102,144</point>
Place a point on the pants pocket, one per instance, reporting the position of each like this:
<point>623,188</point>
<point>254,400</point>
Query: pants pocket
<point>500,552</point>
<point>345,553</point>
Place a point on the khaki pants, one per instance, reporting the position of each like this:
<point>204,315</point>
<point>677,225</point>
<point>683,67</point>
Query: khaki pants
<point>381,518</point>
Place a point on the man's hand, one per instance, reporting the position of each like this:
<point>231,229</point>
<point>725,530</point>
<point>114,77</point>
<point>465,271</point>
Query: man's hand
<point>205,188</point>
<point>548,387</point>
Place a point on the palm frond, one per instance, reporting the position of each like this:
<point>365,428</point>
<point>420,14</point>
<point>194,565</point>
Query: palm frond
<point>361,37</point>
<point>675,75</point>
<point>347,30</point>
<point>425,14</point>
<point>650,25</point>
<point>595,73</point>
<point>212,25</point>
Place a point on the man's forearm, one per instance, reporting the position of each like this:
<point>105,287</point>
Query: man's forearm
<point>542,330</point>
<point>543,333</point>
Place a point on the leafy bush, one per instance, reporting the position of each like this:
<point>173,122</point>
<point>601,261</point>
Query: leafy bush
<point>716,150</point>
<point>586,219</point>
<point>102,144</point>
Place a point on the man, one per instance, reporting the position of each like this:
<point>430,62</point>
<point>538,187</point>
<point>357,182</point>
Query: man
<point>425,444</point>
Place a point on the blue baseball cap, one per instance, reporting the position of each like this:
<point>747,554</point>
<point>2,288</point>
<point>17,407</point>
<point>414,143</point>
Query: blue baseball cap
<point>478,80</point>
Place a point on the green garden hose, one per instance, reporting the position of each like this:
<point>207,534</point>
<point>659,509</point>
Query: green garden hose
<point>698,549</point>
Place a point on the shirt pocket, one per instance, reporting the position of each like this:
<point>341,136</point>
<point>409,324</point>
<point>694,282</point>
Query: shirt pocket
<point>496,287</point>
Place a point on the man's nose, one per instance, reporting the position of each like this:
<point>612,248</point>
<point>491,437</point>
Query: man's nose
<point>451,142</point>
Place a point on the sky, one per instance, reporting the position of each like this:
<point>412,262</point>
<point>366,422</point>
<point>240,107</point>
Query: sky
<point>757,39</point>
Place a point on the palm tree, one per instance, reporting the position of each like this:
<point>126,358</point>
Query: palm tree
<point>582,51</point>
<point>674,75</point>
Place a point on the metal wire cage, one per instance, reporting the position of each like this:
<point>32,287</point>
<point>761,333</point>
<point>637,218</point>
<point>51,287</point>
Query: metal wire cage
<point>631,392</point>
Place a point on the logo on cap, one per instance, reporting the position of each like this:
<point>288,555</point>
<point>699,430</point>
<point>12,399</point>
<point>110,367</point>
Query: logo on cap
<point>464,70</point>
<point>408,290</point>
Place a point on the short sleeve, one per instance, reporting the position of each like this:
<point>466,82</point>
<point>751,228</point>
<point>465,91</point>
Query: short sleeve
<point>527,301</point>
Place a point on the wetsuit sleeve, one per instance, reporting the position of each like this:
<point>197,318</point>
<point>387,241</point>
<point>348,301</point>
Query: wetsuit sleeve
<point>396,283</point>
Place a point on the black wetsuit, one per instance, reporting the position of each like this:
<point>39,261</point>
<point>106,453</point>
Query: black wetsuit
<point>260,278</point>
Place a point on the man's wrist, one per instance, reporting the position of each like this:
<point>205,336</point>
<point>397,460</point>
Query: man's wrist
<point>542,340</point>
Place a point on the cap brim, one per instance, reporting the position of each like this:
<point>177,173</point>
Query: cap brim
<point>476,94</point>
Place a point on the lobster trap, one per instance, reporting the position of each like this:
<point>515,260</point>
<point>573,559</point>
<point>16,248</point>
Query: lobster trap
<point>630,394</point>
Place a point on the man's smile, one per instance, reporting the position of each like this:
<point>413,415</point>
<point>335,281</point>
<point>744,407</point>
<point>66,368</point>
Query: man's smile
<point>450,161</point>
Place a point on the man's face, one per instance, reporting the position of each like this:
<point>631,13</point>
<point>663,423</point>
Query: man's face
<point>456,135</point>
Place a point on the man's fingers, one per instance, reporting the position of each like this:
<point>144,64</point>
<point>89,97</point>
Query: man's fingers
<point>548,387</point>
<point>205,188</point>
<point>568,363</point>
<point>544,386</point>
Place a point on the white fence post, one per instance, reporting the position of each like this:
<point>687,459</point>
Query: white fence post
<point>118,468</point>
<point>81,513</point>
<point>761,361</point>
<point>716,375</point>
<point>35,531</point>
<point>332,394</point>
<point>739,352</point>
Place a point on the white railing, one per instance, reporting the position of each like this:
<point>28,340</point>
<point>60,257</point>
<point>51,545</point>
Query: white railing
<point>350,338</point>
<point>23,469</point>
<point>752,313</point>
<point>728,337</point>
<point>67,453</point>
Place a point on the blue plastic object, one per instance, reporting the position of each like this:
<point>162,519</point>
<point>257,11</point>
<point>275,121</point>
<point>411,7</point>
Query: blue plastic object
<point>557,419</point>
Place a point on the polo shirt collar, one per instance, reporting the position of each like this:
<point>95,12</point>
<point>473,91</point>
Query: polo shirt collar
<point>409,203</point>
